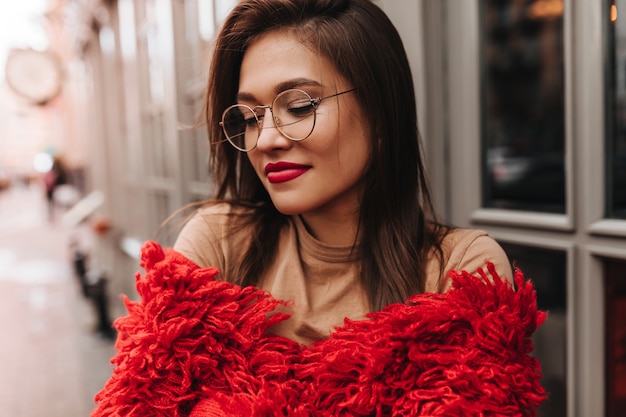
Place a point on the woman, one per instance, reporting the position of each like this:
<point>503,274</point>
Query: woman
<point>268,303</point>
<point>332,212</point>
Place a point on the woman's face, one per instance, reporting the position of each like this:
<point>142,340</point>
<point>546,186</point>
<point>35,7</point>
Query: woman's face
<point>319,176</point>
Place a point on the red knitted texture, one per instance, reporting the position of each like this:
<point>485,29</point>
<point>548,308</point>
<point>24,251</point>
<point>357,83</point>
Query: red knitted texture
<point>195,346</point>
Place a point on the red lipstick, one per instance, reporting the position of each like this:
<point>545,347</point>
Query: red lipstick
<point>284,171</point>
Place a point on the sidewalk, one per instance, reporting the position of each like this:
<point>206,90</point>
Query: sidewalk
<point>53,362</point>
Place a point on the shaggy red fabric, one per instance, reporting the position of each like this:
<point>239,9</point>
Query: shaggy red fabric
<point>195,346</point>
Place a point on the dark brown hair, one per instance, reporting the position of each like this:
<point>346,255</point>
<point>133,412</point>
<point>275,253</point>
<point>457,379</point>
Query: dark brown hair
<point>398,230</point>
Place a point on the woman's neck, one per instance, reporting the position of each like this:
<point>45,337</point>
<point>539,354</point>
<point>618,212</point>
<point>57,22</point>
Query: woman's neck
<point>333,231</point>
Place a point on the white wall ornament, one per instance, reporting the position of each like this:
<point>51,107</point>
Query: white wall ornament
<point>34,75</point>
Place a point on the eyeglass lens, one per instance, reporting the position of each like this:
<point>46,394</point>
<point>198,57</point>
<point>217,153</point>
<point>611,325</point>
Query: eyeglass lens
<point>293,112</point>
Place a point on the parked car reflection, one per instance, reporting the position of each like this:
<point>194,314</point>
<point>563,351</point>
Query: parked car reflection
<point>537,182</point>
<point>525,182</point>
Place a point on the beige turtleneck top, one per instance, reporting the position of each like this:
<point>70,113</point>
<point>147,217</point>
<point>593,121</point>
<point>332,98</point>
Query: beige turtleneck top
<point>319,281</point>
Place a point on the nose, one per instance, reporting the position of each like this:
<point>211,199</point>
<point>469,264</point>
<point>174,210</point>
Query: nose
<point>270,138</point>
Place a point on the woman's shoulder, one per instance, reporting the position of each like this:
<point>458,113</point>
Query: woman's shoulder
<point>218,215</point>
<point>222,209</point>
<point>212,230</point>
<point>460,237</point>
<point>466,249</point>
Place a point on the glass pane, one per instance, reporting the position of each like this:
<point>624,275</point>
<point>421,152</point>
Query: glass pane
<point>156,70</point>
<point>523,132</point>
<point>155,145</point>
<point>127,30</point>
<point>201,158</point>
<point>616,337</point>
<point>222,8</point>
<point>206,19</point>
<point>547,270</point>
<point>160,209</point>
<point>616,140</point>
<point>211,14</point>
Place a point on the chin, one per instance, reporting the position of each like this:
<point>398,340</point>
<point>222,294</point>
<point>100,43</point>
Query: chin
<point>289,210</point>
<point>291,207</point>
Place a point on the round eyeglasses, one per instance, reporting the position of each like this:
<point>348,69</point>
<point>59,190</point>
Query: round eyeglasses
<point>293,112</point>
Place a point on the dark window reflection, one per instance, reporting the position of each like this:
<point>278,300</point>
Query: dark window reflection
<point>523,105</point>
<point>548,272</point>
<point>615,337</point>
<point>616,140</point>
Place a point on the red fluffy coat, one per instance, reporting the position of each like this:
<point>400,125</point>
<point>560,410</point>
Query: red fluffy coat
<point>197,346</point>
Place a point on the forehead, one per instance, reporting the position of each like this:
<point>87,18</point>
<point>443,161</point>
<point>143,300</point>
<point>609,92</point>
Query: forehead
<point>276,57</point>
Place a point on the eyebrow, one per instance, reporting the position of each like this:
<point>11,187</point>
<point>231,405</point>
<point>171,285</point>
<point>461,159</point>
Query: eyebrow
<point>285,85</point>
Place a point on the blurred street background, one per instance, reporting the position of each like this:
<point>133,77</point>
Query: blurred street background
<point>54,356</point>
<point>54,359</point>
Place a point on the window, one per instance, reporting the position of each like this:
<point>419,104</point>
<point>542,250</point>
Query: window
<point>211,14</point>
<point>616,139</point>
<point>615,272</point>
<point>523,105</point>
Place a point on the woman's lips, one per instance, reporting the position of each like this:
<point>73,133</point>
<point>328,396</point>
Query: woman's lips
<point>284,171</point>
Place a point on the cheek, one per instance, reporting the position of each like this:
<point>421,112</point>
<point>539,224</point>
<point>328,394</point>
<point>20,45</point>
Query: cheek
<point>347,156</point>
<point>349,134</point>
<point>359,156</point>
<point>356,142</point>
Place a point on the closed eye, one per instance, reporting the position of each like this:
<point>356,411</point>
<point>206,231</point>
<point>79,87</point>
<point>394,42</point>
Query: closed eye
<point>301,109</point>
<point>252,121</point>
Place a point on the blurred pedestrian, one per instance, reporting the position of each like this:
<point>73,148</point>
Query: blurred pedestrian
<point>55,177</point>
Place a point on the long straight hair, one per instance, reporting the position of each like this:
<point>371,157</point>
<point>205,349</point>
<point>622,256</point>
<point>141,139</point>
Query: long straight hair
<point>398,230</point>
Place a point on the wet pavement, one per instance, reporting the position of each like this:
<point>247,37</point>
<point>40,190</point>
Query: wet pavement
<point>53,360</point>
